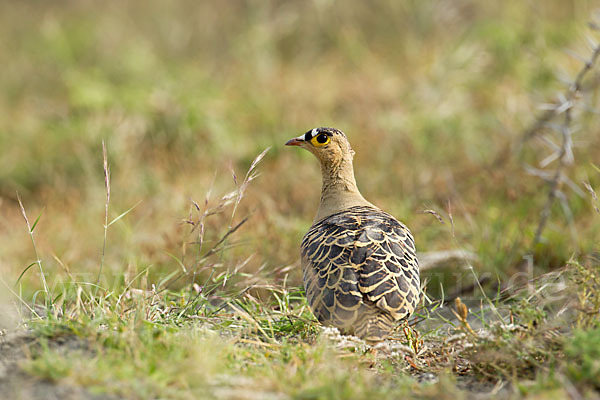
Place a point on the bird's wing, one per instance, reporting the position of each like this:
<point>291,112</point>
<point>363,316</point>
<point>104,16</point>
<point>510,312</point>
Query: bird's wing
<point>356,257</point>
<point>385,256</point>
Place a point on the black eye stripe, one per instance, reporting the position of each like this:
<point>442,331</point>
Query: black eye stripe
<point>309,135</point>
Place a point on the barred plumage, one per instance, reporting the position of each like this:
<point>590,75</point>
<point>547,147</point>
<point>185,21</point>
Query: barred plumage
<point>359,263</point>
<point>360,272</point>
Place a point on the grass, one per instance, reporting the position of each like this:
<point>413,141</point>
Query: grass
<point>159,253</point>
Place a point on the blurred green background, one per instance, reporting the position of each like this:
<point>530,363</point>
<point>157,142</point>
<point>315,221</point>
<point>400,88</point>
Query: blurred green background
<point>434,95</point>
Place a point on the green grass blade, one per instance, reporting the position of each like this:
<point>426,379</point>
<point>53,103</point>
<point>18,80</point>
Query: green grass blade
<point>174,257</point>
<point>25,270</point>
<point>166,278</point>
<point>123,214</point>
<point>36,222</point>
<point>35,295</point>
<point>58,296</point>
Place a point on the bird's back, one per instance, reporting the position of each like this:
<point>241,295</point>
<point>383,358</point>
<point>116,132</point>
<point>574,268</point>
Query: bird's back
<point>360,272</point>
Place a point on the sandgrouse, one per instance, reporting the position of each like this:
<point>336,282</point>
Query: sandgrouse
<point>359,263</point>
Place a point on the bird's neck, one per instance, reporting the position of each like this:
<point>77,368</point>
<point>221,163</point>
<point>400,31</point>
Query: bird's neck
<point>339,190</point>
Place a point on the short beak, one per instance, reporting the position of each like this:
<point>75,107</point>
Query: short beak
<point>295,141</point>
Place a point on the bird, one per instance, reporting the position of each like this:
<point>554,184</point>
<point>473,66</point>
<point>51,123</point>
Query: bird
<point>359,263</point>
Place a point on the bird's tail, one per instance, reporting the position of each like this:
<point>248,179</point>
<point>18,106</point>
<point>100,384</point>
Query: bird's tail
<point>373,325</point>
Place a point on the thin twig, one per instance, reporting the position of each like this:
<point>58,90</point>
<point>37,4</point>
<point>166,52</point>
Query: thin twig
<point>564,156</point>
<point>577,86</point>
<point>553,184</point>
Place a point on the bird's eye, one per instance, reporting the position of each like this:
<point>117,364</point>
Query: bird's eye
<point>320,140</point>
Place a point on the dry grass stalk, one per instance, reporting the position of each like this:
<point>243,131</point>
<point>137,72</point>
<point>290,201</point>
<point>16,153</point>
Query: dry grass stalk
<point>38,261</point>
<point>106,170</point>
<point>234,198</point>
<point>594,196</point>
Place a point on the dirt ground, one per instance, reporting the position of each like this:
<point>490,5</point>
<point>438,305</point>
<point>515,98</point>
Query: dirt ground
<point>16,383</point>
<point>16,347</point>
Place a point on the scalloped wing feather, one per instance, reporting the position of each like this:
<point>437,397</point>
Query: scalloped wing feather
<point>360,271</point>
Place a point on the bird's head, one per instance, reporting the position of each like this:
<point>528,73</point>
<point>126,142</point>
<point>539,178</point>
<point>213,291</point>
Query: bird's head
<point>329,145</point>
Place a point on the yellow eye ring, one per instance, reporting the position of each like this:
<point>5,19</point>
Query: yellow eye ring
<point>320,140</point>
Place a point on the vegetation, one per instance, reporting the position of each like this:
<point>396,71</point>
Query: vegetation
<point>151,218</point>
